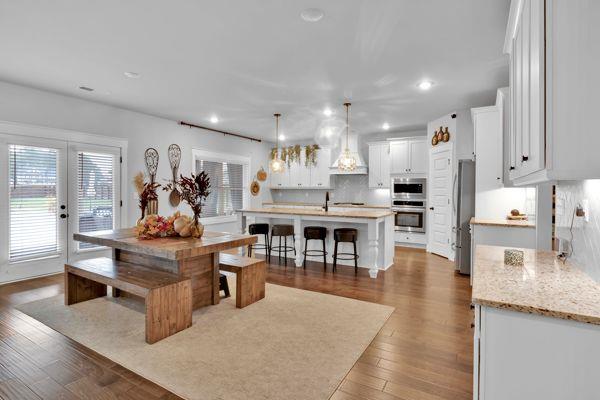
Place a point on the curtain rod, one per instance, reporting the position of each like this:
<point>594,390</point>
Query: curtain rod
<point>219,131</point>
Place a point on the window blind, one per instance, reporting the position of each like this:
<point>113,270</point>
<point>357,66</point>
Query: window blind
<point>95,193</point>
<point>227,187</point>
<point>33,219</point>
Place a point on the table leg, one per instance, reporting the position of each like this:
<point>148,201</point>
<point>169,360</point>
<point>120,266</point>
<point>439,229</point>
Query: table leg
<point>373,247</point>
<point>243,228</point>
<point>216,295</point>
<point>298,240</point>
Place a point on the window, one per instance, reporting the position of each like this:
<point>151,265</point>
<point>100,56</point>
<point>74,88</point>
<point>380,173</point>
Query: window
<point>228,175</point>
<point>33,202</point>
<point>95,193</point>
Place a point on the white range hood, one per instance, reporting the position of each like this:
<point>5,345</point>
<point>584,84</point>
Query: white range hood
<point>361,167</point>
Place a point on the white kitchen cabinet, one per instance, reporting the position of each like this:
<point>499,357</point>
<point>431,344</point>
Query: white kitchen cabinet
<point>319,174</point>
<point>553,90</point>
<point>409,156</point>
<point>379,165</point>
<point>487,128</point>
<point>299,176</point>
<point>522,356</point>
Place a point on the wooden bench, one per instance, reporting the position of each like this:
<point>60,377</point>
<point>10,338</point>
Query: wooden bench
<point>250,277</point>
<point>168,297</point>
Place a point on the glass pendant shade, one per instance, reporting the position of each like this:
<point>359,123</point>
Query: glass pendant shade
<point>276,165</point>
<point>347,162</point>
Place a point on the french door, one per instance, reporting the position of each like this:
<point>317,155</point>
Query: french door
<point>51,189</point>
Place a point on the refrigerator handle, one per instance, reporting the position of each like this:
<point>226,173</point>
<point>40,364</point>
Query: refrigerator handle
<point>454,200</point>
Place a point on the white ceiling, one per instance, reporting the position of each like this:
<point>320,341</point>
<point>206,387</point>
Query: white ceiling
<point>243,60</point>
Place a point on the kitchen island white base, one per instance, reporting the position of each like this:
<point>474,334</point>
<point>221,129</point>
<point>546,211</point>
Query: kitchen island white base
<point>375,244</point>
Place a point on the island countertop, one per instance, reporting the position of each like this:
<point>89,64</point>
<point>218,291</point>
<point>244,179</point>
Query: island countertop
<point>172,248</point>
<point>544,285</point>
<point>331,205</point>
<point>369,214</point>
<point>503,222</point>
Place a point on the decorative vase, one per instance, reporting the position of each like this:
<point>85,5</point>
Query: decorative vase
<point>197,228</point>
<point>152,207</point>
<point>446,135</point>
<point>440,134</point>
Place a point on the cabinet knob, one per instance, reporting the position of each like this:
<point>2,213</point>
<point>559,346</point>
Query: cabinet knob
<point>431,208</point>
<point>525,158</point>
<point>512,168</point>
<point>498,178</point>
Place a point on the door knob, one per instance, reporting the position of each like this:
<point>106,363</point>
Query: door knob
<point>525,158</point>
<point>431,208</point>
<point>63,216</point>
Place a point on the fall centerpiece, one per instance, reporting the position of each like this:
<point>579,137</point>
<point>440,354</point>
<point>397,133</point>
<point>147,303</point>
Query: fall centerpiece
<point>155,226</point>
<point>147,195</point>
<point>193,190</point>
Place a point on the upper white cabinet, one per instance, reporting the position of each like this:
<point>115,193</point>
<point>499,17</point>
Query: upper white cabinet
<point>300,176</point>
<point>379,165</point>
<point>409,156</point>
<point>488,147</point>
<point>553,90</point>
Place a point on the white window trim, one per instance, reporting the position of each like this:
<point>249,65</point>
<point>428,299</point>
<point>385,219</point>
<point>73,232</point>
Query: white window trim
<point>209,155</point>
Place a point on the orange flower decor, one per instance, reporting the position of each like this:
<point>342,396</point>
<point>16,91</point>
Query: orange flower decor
<point>155,226</point>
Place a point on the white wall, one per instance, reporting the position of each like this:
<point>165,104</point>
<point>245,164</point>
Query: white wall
<point>497,203</point>
<point>37,107</point>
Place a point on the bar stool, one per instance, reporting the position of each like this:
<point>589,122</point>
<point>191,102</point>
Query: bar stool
<point>315,233</point>
<point>282,231</point>
<point>259,229</point>
<point>345,235</point>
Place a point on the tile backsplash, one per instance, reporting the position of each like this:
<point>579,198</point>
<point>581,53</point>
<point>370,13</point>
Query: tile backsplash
<point>345,188</point>
<point>586,230</point>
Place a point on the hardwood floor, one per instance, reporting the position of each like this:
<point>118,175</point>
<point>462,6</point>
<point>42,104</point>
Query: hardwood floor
<point>424,351</point>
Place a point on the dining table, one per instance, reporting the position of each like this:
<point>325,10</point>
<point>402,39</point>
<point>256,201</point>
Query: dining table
<point>196,258</point>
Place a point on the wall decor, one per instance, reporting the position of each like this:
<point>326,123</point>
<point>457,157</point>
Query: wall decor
<point>446,135</point>
<point>310,152</point>
<point>151,159</point>
<point>434,139</point>
<point>174,161</point>
<point>254,188</point>
<point>440,134</point>
<point>293,154</point>
<point>261,175</point>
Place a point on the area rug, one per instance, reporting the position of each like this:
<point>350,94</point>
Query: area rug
<point>294,344</point>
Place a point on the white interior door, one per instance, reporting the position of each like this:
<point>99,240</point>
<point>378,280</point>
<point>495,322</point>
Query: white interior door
<point>94,195</point>
<point>33,184</point>
<point>440,193</point>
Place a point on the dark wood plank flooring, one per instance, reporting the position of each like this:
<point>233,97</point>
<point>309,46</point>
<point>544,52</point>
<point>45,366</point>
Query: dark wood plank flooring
<point>424,351</point>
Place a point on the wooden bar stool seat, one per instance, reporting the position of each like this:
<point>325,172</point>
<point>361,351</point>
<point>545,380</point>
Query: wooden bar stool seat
<point>259,229</point>
<point>315,233</point>
<point>345,235</point>
<point>281,230</point>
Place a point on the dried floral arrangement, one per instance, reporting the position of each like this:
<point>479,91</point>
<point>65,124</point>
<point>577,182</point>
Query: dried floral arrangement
<point>146,191</point>
<point>193,190</point>
<point>310,152</point>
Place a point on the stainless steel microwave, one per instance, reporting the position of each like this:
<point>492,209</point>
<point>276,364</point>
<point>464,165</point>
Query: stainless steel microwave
<point>409,188</point>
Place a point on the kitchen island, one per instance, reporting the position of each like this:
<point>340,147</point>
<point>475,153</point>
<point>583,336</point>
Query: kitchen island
<point>375,231</point>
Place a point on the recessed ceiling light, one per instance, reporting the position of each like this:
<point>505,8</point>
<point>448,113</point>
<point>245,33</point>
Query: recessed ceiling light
<point>282,137</point>
<point>87,89</point>
<point>425,85</point>
<point>327,112</point>
<point>312,14</point>
<point>214,119</point>
<point>385,126</point>
<point>131,74</point>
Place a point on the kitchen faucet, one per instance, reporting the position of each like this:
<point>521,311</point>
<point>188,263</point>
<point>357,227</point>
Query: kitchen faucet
<point>326,208</point>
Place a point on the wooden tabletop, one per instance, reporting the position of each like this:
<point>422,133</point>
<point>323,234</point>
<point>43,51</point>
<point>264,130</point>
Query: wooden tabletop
<point>370,214</point>
<point>172,248</point>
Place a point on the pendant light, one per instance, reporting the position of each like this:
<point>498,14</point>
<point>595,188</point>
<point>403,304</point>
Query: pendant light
<point>276,164</point>
<point>347,162</point>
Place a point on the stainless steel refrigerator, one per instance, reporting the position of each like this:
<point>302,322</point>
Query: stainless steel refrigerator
<point>464,210</point>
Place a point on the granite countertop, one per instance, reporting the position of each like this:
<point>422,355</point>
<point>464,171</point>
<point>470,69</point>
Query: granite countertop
<point>544,285</point>
<point>172,248</point>
<point>502,222</point>
<point>331,205</point>
<point>371,214</point>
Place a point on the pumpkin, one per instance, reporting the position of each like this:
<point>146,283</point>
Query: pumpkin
<point>180,223</point>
